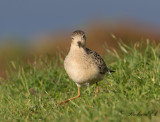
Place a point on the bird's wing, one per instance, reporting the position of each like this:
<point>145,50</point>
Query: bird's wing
<point>97,59</point>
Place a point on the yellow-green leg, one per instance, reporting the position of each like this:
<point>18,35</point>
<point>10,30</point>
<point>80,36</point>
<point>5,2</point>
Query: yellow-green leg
<point>78,95</point>
<point>97,89</point>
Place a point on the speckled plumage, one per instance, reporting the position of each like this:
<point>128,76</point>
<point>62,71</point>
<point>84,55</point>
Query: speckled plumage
<point>84,66</point>
<point>78,32</point>
<point>96,58</point>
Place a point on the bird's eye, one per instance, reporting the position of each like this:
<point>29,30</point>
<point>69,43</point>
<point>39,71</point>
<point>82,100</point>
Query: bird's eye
<point>84,37</point>
<point>72,38</point>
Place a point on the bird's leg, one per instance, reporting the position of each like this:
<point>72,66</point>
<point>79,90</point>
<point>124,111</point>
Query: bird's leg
<point>78,95</point>
<point>97,89</point>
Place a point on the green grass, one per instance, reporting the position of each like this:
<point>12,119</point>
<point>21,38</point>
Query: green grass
<point>132,93</point>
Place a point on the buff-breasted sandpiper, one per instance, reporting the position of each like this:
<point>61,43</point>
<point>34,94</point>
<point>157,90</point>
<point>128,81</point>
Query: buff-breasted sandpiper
<point>84,66</point>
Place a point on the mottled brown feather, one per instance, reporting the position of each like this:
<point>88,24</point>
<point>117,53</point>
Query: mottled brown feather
<point>97,59</point>
<point>78,32</point>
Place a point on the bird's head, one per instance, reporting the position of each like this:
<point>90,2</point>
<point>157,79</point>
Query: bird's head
<point>78,38</point>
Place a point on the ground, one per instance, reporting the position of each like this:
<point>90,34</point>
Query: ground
<point>132,93</point>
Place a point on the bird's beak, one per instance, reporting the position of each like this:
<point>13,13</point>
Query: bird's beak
<point>79,44</point>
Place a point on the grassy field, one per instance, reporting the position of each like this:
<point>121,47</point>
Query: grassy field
<point>132,93</point>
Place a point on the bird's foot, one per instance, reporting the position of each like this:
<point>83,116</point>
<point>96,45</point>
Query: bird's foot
<point>96,90</point>
<point>63,102</point>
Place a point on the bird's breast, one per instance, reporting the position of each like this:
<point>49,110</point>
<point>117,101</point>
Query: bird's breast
<point>80,70</point>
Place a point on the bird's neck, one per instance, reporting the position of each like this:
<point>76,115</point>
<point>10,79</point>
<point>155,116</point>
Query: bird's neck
<point>76,48</point>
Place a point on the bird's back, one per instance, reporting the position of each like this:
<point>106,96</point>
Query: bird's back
<point>97,60</point>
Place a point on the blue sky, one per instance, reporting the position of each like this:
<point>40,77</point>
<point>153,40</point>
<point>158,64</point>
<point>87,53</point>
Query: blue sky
<point>30,17</point>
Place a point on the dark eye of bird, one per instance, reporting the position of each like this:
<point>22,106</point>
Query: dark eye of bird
<point>72,38</point>
<point>84,37</point>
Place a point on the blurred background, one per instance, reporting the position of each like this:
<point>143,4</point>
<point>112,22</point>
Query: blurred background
<point>43,27</point>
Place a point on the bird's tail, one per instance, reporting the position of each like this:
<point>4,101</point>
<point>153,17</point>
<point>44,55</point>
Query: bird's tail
<point>111,71</point>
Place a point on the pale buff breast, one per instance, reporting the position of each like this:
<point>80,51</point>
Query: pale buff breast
<point>80,70</point>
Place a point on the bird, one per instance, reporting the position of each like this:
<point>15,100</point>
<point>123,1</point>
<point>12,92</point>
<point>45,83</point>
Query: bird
<point>84,66</point>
